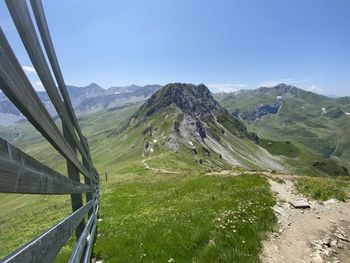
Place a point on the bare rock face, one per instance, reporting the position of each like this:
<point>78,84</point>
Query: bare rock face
<point>171,143</point>
<point>188,129</point>
<point>147,147</point>
<point>195,100</point>
<point>177,127</point>
<point>148,131</point>
<point>200,129</point>
<point>202,113</point>
<point>261,110</point>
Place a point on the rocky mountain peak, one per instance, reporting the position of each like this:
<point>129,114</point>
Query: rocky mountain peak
<point>93,85</point>
<point>194,100</point>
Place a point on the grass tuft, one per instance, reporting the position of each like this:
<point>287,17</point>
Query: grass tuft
<point>322,188</point>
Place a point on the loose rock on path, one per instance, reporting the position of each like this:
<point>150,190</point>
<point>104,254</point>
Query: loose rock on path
<point>317,235</point>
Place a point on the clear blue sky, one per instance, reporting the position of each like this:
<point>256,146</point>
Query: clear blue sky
<point>224,44</point>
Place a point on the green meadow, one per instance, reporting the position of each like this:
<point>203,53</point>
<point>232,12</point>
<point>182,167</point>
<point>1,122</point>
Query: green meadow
<point>184,218</point>
<point>147,215</point>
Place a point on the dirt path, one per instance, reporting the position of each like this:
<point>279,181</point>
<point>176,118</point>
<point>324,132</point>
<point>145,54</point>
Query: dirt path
<point>227,173</point>
<point>318,235</point>
<point>145,164</point>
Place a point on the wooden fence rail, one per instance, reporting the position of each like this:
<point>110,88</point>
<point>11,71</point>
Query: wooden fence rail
<point>21,173</point>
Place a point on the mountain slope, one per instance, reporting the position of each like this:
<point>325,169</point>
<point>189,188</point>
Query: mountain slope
<point>182,125</point>
<point>88,99</point>
<point>116,97</point>
<point>314,123</point>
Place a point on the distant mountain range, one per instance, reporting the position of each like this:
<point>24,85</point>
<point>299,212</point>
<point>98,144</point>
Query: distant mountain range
<point>281,128</point>
<point>92,98</point>
<point>186,126</point>
<point>86,99</point>
<point>315,124</point>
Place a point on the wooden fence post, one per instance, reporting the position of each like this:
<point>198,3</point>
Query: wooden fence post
<point>73,173</point>
<point>87,179</point>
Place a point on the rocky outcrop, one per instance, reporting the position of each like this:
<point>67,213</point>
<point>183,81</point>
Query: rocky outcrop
<point>147,147</point>
<point>200,129</point>
<point>171,143</point>
<point>197,104</point>
<point>148,131</point>
<point>194,100</point>
<point>260,111</point>
<point>177,127</point>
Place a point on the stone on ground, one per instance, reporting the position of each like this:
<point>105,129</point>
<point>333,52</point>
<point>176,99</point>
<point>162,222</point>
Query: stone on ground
<point>300,204</point>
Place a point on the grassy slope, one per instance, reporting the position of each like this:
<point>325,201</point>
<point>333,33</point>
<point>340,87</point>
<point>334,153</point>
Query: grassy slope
<point>154,218</point>
<point>324,188</point>
<point>22,217</point>
<point>146,215</point>
<point>301,121</point>
<point>176,212</point>
<point>131,189</point>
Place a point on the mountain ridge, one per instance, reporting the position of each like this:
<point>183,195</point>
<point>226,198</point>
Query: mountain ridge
<point>86,99</point>
<point>314,123</point>
<point>185,119</point>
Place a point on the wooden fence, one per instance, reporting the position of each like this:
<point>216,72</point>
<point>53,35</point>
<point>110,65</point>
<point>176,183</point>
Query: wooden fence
<point>20,173</point>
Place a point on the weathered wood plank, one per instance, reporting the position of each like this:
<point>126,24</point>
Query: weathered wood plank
<point>45,247</point>
<point>20,15</point>
<point>87,256</point>
<point>16,86</point>
<point>86,179</point>
<point>40,18</point>
<point>80,245</point>
<point>73,173</point>
<point>20,173</point>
